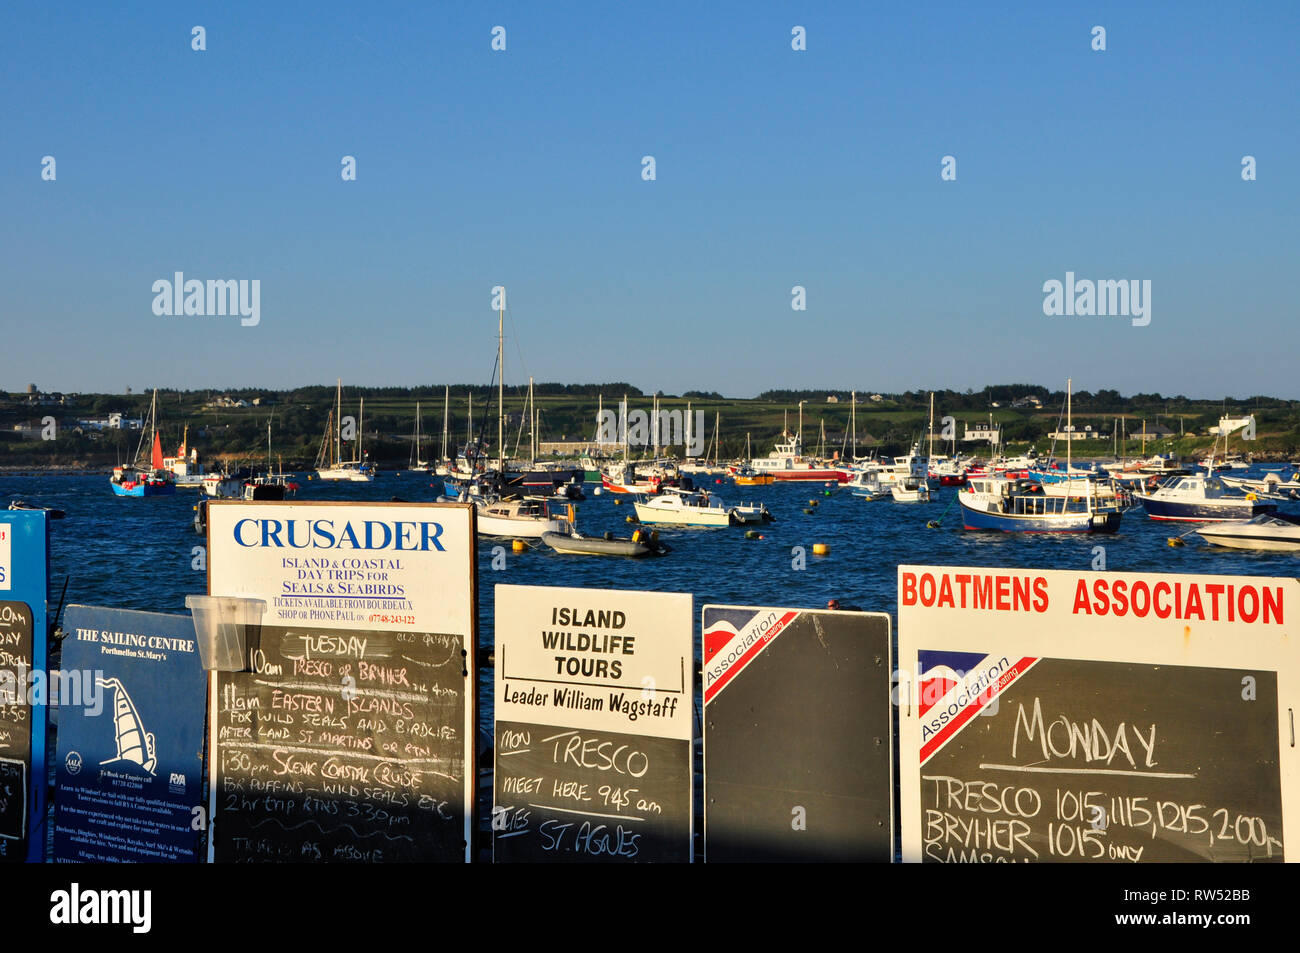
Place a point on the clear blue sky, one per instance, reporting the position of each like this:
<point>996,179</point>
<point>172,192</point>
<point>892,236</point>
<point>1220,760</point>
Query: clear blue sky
<point>775,168</point>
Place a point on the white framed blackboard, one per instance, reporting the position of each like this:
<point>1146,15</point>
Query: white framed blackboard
<point>351,736</point>
<point>1053,716</point>
<point>593,700</point>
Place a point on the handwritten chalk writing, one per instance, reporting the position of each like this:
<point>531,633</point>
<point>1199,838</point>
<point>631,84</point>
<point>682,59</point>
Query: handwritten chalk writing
<point>987,797</point>
<point>600,755</point>
<point>1066,739</point>
<point>387,763</point>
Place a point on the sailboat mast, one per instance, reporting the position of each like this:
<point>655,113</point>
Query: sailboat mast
<point>654,424</point>
<point>501,386</point>
<point>931,455</point>
<point>686,432</point>
<point>361,428</point>
<point>446,407</point>
<point>1069,426</point>
<point>532,426</point>
<point>853,423</point>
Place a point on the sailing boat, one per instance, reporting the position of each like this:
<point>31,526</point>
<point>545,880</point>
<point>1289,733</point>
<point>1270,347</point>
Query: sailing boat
<point>444,462</point>
<point>333,466</point>
<point>134,744</point>
<point>137,478</point>
<point>418,463</point>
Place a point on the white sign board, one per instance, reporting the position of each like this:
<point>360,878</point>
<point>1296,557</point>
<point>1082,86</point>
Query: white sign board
<point>593,694</point>
<point>352,736</point>
<point>6,557</point>
<point>1097,716</point>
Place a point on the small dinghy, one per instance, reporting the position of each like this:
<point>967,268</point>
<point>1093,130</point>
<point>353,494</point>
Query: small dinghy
<point>642,543</point>
<point>24,505</point>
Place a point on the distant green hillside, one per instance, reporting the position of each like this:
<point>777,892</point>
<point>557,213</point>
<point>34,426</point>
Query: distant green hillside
<point>887,422</point>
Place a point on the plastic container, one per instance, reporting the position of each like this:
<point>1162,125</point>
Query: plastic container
<point>228,629</point>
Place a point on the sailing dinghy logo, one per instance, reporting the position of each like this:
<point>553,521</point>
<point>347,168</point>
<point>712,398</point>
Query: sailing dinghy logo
<point>957,686</point>
<point>134,744</point>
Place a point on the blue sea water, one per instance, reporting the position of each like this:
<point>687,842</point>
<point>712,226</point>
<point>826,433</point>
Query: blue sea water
<point>144,553</point>
<point>140,553</point>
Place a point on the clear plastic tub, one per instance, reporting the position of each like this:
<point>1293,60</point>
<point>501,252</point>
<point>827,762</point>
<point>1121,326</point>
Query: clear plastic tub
<point>228,629</point>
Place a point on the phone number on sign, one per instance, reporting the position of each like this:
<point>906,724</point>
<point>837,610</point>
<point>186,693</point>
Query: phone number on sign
<point>393,619</point>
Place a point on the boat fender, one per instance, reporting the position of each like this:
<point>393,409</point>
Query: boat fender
<point>519,546</point>
<point>1250,496</point>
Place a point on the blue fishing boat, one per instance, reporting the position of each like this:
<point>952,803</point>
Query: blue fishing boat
<point>1020,506</point>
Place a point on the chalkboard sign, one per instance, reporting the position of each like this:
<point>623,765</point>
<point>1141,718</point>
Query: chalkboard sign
<point>15,724</point>
<point>129,766</point>
<point>13,799</point>
<point>1098,761</point>
<point>566,795</point>
<point>1054,716</point>
<point>350,736</point>
<point>798,736</point>
<point>342,747</point>
<point>24,570</point>
<point>593,693</point>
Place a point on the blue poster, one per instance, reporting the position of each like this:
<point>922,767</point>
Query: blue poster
<point>129,769</point>
<point>24,569</point>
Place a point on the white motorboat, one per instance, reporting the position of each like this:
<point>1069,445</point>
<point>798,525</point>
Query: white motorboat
<point>683,508</point>
<point>866,484</point>
<point>910,490</point>
<point>1272,532</point>
<point>1197,498</point>
<point>1272,486</point>
<point>525,518</point>
<point>223,486</point>
<point>745,513</point>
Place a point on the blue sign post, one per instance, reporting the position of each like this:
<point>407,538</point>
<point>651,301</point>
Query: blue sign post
<point>129,768</point>
<point>24,574</point>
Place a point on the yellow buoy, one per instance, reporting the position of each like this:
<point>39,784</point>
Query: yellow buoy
<point>519,546</point>
<point>1176,541</point>
<point>821,549</point>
